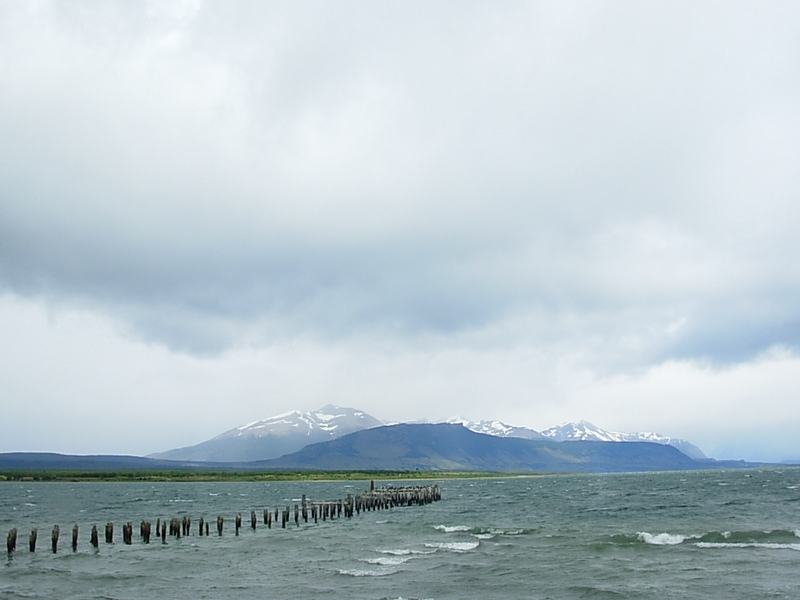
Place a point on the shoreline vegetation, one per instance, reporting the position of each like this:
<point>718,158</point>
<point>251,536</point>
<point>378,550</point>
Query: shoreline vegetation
<point>208,476</point>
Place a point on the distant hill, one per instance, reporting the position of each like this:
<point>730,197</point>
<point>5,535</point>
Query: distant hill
<point>51,461</point>
<point>276,436</point>
<point>445,446</point>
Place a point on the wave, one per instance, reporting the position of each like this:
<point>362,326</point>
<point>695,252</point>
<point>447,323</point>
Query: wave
<point>381,572</point>
<point>405,552</point>
<point>662,539</point>
<point>389,561</point>
<point>452,528</point>
<point>767,545</point>
<point>480,532</point>
<point>776,538</point>
<point>453,546</point>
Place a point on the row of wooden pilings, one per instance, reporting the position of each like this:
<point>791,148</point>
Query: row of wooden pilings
<point>373,499</point>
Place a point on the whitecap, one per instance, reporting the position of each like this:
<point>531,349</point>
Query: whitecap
<point>484,536</point>
<point>769,546</point>
<point>388,561</point>
<point>367,572</point>
<point>451,528</point>
<point>404,551</point>
<point>454,546</point>
<point>661,539</point>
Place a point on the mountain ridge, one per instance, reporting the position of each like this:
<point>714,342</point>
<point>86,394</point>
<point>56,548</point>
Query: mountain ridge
<point>450,446</point>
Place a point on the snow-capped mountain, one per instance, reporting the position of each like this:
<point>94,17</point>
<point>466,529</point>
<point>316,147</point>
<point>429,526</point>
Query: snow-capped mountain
<point>276,436</point>
<point>331,420</point>
<point>583,430</point>
<point>497,428</point>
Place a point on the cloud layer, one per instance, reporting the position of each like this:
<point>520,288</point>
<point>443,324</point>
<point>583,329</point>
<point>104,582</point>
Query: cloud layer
<point>602,189</point>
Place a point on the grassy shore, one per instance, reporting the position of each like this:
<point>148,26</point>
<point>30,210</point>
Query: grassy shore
<point>190,475</point>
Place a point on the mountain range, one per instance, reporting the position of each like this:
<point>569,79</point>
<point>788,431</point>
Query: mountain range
<point>292,431</point>
<point>407,447</point>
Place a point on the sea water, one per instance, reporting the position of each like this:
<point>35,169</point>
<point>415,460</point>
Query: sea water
<point>704,534</point>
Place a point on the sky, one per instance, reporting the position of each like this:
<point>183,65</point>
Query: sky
<point>534,212</point>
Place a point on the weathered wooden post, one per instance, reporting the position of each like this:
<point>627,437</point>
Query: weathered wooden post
<point>219,525</point>
<point>94,537</point>
<point>54,538</point>
<point>11,541</point>
<point>32,539</point>
<point>127,533</point>
<point>202,522</point>
<point>164,532</point>
<point>109,533</point>
<point>175,527</point>
<point>253,519</point>
<point>206,528</point>
<point>296,514</point>
<point>305,510</point>
<point>238,522</point>
<point>187,525</point>
<point>75,538</point>
<point>145,529</point>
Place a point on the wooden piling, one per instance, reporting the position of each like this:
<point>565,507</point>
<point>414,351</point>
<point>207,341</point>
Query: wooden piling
<point>371,500</point>
<point>175,527</point>
<point>145,531</point>
<point>127,533</point>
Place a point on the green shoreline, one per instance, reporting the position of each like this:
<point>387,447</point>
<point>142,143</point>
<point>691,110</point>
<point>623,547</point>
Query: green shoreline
<point>206,476</point>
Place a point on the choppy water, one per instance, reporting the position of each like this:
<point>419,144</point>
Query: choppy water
<point>731,534</point>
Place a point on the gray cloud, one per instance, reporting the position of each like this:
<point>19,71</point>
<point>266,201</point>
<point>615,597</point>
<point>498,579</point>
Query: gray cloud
<point>614,181</point>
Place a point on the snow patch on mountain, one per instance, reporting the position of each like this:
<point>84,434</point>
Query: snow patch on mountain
<point>333,420</point>
<point>583,430</point>
<point>496,428</point>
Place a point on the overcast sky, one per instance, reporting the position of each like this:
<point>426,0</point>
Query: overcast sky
<point>536,212</point>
